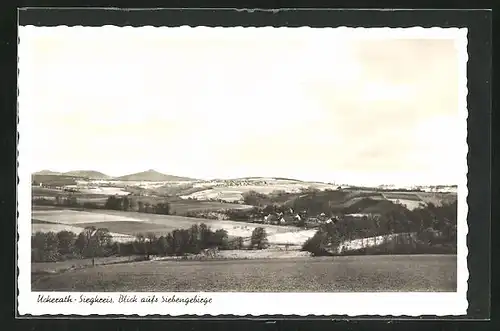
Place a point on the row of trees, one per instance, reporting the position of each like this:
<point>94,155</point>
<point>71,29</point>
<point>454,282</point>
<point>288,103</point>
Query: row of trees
<point>123,203</point>
<point>93,242</point>
<point>432,225</point>
<point>126,203</point>
<point>90,243</point>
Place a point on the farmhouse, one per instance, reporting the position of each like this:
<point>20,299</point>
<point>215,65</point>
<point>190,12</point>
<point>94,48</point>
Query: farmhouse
<point>287,220</point>
<point>313,221</point>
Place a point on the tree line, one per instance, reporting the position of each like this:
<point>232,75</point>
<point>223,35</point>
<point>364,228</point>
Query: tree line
<point>97,242</point>
<point>63,245</point>
<point>123,203</point>
<point>434,227</point>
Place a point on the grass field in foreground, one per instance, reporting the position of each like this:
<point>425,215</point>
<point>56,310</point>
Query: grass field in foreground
<point>409,273</point>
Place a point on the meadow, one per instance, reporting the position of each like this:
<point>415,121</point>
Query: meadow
<point>177,206</point>
<point>235,193</point>
<point>124,224</point>
<point>411,273</point>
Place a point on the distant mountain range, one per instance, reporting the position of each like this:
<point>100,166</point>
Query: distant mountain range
<point>267,178</point>
<point>48,173</point>
<point>152,176</point>
<point>149,175</point>
<point>76,173</point>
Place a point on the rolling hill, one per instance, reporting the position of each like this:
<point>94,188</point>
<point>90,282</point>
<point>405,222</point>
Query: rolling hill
<point>74,173</point>
<point>47,173</point>
<point>87,174</point>
<point>152,176</point>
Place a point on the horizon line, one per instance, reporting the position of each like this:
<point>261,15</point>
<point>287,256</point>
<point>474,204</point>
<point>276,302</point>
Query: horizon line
<point>243,177</point>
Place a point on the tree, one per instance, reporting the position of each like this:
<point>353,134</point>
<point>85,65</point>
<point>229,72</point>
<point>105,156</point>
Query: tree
<point>73,201</point>
<point>259,238</point>
<point>205,235</point>
<point>162,245</point>
<point>317,245</point>
<point>113,203</point>
<point>194,238</point>
<point>181,241</point>
<point>66,241</point>
<point>116,248</point>
<point>103,241</point>
<point>81,243</point>
<point>170,244</point>
<point>94,241</point>
<point>253,198</point>
<point>163,208</point>
<point>125,202</point>
<point>151,240</point>
<point>51,246</point>
<point>141,247</point>
<point>239,243</point>
<point>268,209</point>
<point>140,206</point>
<point>220,238</point>
<point>132,204</point>
<point>44,247</point>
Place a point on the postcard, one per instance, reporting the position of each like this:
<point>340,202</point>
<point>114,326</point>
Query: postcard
<point>242,171</point>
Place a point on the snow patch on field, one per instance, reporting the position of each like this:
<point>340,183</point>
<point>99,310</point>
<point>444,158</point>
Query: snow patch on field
<point>240,229</point>
<point>104,191</point>
<point>410,204</point>
<point>77,217</point>
<point>47,227</point>
<point>71,218</point>
<point>262,254</point>
<point>371,241</point>
<point>293,238</point>
<point>235,193</point>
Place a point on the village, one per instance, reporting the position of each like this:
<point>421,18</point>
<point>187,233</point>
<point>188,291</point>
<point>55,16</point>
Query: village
<point>283,216</point>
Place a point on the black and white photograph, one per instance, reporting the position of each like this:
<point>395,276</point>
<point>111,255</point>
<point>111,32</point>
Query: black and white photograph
<point>281,166</point>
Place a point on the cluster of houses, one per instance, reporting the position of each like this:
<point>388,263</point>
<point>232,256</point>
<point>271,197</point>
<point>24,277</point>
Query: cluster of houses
<point>294,218</point>
<point>304,220</point>
<point>242,182</point>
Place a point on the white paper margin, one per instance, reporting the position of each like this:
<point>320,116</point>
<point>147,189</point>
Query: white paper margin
<point>255,304</point>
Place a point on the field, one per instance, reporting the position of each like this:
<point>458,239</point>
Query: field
<point>235,193</point>
<point>99,197</point>
<point>41,268</point>
<point>437,198</point>
<point>181,207</point>
<point>412,273</point>
<point>130,223</point>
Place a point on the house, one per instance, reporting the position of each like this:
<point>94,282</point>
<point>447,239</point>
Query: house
<point>287,219</point>
<point>314,220</point>
<point>271,219</point>
<point>323,218</point>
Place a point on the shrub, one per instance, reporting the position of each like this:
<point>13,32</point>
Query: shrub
<point>259,238</point>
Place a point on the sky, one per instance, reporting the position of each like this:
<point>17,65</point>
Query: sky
<point>311,104</point>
